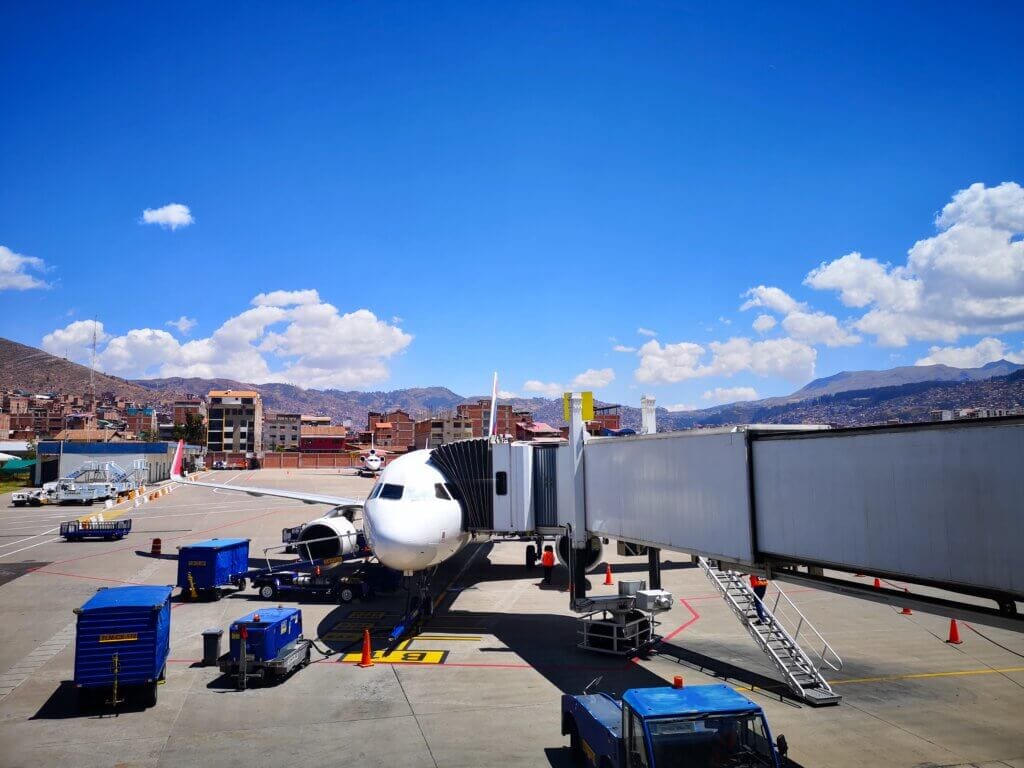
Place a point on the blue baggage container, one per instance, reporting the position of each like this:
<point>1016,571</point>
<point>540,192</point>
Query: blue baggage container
<point>270,631</point>
<point>132,624</point>
<point>214,563</point>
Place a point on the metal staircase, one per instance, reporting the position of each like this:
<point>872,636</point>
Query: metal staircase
<point>780,645</point>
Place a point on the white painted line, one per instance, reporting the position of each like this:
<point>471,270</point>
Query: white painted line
<point>36,536</point>
<point>30,546</point>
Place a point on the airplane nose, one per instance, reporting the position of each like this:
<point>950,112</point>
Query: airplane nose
<point>394,541</point>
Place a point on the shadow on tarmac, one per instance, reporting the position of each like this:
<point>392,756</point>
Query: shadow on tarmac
<point>65,703</point>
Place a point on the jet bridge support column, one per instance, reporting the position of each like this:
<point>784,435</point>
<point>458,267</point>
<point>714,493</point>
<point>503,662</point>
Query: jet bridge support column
<point>577,432</point>
<point>653,568</point>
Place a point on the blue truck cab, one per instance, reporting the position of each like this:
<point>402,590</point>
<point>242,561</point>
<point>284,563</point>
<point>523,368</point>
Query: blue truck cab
<point>697,727</point>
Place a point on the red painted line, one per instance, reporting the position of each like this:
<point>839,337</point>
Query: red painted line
<point>694,616</point>
<point>80,576</point>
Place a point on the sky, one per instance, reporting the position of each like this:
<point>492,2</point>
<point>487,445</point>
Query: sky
<point>706,204</point>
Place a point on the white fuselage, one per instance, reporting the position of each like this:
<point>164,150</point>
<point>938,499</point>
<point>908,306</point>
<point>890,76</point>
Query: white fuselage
<point>410,519</point>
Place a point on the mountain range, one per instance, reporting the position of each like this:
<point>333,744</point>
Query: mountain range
<point>851,398</point>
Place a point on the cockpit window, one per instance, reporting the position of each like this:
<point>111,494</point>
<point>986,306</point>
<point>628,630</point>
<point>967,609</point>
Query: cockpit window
<point>390,491</point>
<point>440,492</point>
<point>376,491</point>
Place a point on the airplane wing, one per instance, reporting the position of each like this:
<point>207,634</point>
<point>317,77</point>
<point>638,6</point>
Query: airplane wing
<point>306,498</point>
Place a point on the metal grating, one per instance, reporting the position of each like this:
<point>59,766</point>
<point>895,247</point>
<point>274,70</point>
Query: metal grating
<point>467,465</point>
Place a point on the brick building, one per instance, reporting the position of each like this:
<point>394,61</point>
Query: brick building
<point>440,430</point>
<point>282,431</point>
<point>479,414</point>
<point>394,430</point>
<point>190,406</point>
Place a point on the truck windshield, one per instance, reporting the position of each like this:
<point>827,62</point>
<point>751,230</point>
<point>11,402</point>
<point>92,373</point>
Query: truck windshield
<point>709,742</point>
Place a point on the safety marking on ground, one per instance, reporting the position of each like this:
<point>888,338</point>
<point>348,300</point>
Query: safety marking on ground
<point>24,669</point>
<point>399,657</point>
<point>927,675</point>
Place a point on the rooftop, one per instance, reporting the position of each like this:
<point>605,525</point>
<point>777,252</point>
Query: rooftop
<point>233,393</point>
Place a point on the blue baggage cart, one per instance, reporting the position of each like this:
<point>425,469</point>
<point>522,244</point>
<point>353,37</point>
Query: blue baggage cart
<point>122,642</point>
<point>109,530</point>
<point>266,644</point>
<point>207,566</point>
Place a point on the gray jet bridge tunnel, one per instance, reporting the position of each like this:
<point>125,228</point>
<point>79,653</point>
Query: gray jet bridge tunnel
<point>939,505</point>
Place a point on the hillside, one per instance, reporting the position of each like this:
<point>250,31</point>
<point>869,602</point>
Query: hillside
<point>893,377</point>
<point>859,407</point>
<point>23,367</point>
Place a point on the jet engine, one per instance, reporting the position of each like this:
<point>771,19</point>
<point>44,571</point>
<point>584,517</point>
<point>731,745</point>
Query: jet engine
<point>592,555</point>
<point>323,527</point>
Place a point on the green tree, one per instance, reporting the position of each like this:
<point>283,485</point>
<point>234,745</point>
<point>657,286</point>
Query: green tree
<point>192,431</point>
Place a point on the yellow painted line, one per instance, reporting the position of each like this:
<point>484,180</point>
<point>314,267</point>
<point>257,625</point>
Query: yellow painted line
<point>916,676</point>
<point>927,675</point>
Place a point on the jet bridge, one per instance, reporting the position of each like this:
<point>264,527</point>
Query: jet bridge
<point>940,505</point>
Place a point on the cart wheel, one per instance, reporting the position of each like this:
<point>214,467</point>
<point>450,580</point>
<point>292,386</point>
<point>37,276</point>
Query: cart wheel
<point>267,591</point>
<point>346,595</point>
<point>531,555</point>
<point>216,594</point>
<point>150,695</point>
<point>308,654</point>
<point>575,750</point>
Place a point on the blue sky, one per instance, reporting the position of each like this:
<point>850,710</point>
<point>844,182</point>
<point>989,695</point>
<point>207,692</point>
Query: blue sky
<point>470,188</point>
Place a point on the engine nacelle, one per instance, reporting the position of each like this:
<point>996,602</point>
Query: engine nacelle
<point>323,527</point>
<point>592,555</point>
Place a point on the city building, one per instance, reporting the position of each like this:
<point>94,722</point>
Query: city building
<point>440,430</point>
<point>281,432</point>
<point>324,439</point>
<point>5,426</point>
<point>479,414</point>
<point>235,422</point>
<point>141,421</point>
<point>307,420</point>
<point>190,406</point>
<point>394,430</point>
<point>536,430</point>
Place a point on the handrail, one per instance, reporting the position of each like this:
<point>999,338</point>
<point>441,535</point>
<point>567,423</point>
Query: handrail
<point>739,612</point>
<point>310,561</point>
<point>826,649</point>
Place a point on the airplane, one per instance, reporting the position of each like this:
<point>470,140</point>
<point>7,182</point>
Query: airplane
<point>412,520</point>
<point>371,463</point>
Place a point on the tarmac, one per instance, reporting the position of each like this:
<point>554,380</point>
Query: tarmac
<point>481,685</point>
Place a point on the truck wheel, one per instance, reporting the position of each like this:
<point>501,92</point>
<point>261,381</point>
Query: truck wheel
<point>531,556</point>
<point>346,595</point>
<point>241,584</point>
<point>267,591</point>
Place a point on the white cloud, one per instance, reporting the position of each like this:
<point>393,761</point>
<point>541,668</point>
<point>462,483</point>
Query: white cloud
<point>184,324</point>
<point>15,271</point>
<point>730,394</point>
<point>987,350</point>
<point>592,379</point>
<point>724,320</point>
<point>623,348</point>
<point>547,389</point>
<point>967,279</point>
<point>818,328</point>
<point>397,320</point>
<point>170,216</point>
<point>764,323</point>
<point>646,332</point>
<point>671,363</point>
<point>74,341</point>
<point>309,344</point>
<point>771,298</point>
<point>286,298</point>
<point>680,407</point>
<point>504,394</point>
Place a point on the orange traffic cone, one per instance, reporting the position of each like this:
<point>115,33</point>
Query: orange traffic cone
<point>878,584</point>
<point>608,575</point>
<point>906,611</point>
<point>156,548</point>
<point>367,660</point>
<point>954,633</point>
